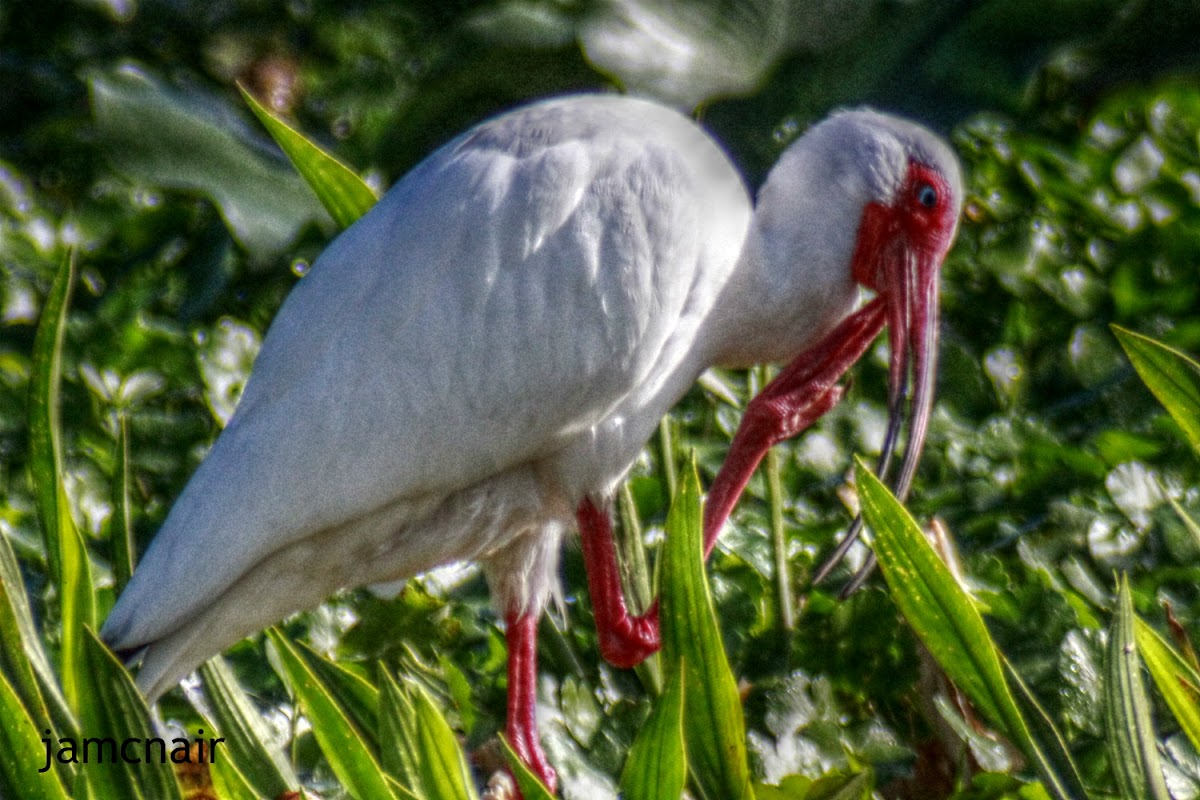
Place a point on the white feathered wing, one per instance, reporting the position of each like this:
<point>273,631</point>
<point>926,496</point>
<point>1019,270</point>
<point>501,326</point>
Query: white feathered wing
<point>499,335</point>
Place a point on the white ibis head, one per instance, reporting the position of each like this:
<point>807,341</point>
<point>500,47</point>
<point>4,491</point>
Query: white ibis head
<point>862,199</point>
<point>901,246</point>
<point>905,230</point>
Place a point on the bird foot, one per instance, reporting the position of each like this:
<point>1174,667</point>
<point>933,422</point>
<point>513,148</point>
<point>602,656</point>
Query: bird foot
<point>629,640</point>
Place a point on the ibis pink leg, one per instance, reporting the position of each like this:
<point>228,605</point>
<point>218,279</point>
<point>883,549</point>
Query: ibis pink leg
<point>625,640</point>
<point>521,728</point>
<point>800,395</point>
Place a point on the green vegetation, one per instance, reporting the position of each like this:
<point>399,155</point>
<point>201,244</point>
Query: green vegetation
<point>148,232</point>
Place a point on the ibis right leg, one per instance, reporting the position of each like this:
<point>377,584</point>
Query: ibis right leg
<point>625,639</point>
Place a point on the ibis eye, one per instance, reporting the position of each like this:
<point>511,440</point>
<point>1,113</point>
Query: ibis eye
<point>927,195</point>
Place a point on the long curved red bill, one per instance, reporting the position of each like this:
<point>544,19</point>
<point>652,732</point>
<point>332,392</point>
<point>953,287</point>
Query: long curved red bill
<point>910,289</point>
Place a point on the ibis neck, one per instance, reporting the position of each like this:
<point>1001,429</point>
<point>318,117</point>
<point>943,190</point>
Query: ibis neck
<point>792,284</point>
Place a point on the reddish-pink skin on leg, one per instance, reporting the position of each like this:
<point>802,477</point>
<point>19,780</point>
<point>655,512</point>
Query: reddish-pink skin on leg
<point>521,728</point>
<point>797,398</point>
<point>800,395</point>
<point>625,640</point>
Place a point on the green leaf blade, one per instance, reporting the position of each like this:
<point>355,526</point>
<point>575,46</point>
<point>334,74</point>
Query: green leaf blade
<point>45,423</point>
<point>121,546</point>
<point>1133,748</point>
<point>529,784</point>
<point>22,755</point>
<point>115,708</point>
<point>1177,681</point>
<point>948,623</point>
<point>345,195</point>
<point>941,613</point>
<point>1172,376</point>
<point>348,753</point>
<point>256,762</point>
<point>690,636</point>
<point>656,768</point>
<point>431,761</point>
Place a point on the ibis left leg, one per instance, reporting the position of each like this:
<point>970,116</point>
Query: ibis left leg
<point>520,576</point>
<point>521,728</point>
<point>800,395</point>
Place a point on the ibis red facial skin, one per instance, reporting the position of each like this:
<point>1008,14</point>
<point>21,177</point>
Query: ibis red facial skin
<point>470,370</point>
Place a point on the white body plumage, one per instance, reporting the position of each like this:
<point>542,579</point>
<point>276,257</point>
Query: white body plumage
<point>493,341</point>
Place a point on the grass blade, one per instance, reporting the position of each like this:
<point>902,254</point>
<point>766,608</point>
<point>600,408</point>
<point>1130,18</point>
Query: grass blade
<point>1132,746</point>
<point>115,709</point>
<point>356,696</point>
<point>431,761</point>
<point>120,540</point>
<point>344,746</point>
<point>248,742</point>
<point>229,783</point>
<point>779,546</point>
<point>656,768</point>
<point>1170,375</point>
<point>531,788</point>
<point>22,754</point>
<point>1176,679</point>
<point>22,658</point>
<point>45,424</point>
<point>65,551</point>
<point>941,613</point>
<point>691,637</point>
<point>345,196</point>
<point>1051,755</point>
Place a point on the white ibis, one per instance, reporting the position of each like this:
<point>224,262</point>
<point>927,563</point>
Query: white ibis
<point>479,360</point>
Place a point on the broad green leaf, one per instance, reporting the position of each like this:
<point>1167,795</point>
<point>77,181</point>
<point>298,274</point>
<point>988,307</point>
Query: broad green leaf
<point>120,539</point>
<point>348,753</point>
<point>114,708</point>
<point>716,740</point>
<point>1170,375</point>
<point>529,784</point>
<point>433,763</point>
<point>345,196</point>
<point>191,140</point>
<point>1177,681</point>
<point>247,740</point>
<point>353,693</point>
<point>23,754</point>
<point>936,606</point>
<point>656,768</point>
<point>1132,747</point>
<point>946,620</point>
